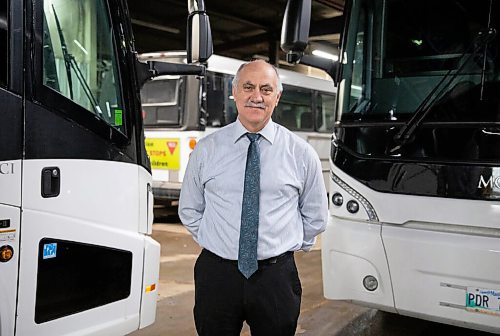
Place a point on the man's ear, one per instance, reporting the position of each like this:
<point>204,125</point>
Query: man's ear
<point>278,98</point>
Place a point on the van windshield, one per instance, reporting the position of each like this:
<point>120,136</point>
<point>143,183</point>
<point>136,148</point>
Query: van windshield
<point>160,101</point>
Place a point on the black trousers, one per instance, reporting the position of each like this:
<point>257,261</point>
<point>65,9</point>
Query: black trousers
<point>269,301</point>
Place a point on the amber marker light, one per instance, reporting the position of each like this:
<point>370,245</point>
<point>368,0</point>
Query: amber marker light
<point>6,253</point>
<point>150,288</point>
<point>192,143</point>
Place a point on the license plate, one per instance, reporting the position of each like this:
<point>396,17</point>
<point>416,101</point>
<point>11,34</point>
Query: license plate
<point>482,300</point>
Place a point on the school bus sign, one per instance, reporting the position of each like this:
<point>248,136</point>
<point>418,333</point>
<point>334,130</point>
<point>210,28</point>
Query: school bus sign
<point>164,153</point>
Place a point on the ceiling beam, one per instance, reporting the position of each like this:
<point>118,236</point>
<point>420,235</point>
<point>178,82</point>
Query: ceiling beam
<point>239,19</point>
<point>149,24</point>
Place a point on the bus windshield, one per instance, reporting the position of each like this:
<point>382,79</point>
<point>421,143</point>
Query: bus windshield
<point>78,58</point>
<point>160,101</point>
<point>404,54</point>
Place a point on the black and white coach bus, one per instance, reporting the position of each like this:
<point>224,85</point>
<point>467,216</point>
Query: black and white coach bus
<point>415,160</point>
<point>75,181</point>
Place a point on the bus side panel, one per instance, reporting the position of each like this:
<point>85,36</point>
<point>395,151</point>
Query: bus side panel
<point>82,242</point>
<point>150,281</point>
<point>440,266</point>
<point>9,238</point>
<point>351,250</point>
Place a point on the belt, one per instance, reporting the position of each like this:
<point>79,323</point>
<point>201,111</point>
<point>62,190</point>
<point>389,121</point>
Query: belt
<point>270,261</point>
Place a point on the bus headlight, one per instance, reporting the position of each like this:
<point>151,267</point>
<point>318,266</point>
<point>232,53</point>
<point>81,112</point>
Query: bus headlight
<point>370,283</point>
<point>337,199</point>
<point>352,206</point>
<point>358,199</point>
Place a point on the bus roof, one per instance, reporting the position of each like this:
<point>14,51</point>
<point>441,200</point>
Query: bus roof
<point>229,66</point>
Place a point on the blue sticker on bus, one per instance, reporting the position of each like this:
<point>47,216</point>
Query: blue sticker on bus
<point>49,250</point>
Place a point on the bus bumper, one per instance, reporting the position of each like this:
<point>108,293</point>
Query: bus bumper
<point>150,281</point>
<point>432,274</point>
<point>446,277</point>
<point>354,250</point>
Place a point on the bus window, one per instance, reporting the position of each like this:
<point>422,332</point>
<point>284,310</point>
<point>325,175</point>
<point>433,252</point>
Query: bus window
<point>79,59</point>
<point>160,101</point>
<point>215,99</point>
<point>4,50</point>
<point>358,63</point>
<point>325,112</point>
<point>231,113</point>
<point>294,110</point>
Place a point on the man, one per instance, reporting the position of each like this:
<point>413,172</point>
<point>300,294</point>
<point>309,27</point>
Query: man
<point>252,194</point>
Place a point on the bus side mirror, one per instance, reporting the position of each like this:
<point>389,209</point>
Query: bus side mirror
<point>199,35</point>
<point>295,37</point>
<point>295,28</point>
<point>199,48</point>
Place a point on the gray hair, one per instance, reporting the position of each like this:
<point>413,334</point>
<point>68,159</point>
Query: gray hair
<point>237,76</point>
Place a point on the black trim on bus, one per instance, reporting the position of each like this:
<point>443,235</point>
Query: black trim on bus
<point>438,179</point>
<point>121,14</point>
<point>73,277</point>
<point>4,43</point>
<point>16,52</point>
<point>50,136</point>
<point>11,126</point>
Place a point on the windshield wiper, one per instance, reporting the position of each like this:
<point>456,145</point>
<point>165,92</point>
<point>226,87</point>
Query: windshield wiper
<point>485,52</point>
<point>70,63</point>
<point>407,130</point>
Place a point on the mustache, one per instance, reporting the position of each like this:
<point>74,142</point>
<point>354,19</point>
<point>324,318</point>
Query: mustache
<point>255,105</point>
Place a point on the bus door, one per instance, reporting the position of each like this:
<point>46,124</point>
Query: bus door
<point>10,162</point>
<point>83,178</point>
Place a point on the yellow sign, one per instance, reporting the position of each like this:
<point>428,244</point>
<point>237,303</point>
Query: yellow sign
<point>164,153</point>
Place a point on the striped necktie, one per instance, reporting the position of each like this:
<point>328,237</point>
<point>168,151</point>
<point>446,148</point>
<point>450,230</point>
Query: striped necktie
<point>247,254</point>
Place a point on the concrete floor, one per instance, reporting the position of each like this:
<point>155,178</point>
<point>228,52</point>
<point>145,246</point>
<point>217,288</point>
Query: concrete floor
<point>176,290</point>
<point>319,317</point>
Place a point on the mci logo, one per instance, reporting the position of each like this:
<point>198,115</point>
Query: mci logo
<point>492,182</point>
<point>7,168</point>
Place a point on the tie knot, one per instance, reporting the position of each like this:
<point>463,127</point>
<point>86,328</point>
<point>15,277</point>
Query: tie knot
<point>253,136</point>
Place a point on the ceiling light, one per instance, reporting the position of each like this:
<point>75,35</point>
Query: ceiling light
<point>324,54</point>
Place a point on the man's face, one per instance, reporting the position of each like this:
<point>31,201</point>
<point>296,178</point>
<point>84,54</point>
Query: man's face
<point>256,95</point>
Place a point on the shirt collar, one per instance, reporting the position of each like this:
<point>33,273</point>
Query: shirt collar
<point>268,132</point>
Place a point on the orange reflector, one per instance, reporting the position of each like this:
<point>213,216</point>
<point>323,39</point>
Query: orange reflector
<point>192,143</point>
<point>6,253</point>
<point>150,288</point>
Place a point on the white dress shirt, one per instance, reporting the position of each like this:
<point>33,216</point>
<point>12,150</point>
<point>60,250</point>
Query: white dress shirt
<point>293,202</point>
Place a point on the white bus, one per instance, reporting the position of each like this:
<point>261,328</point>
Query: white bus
<point>178,111</point>
<point>76,256</point>
<point>414,221</point>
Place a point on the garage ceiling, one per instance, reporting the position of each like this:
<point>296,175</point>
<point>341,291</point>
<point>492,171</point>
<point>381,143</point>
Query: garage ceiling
<point>241,29</point>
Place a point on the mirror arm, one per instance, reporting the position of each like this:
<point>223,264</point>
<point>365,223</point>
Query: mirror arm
<point>329,66</point>
<point>165,68</point>
<point>149,70</point>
